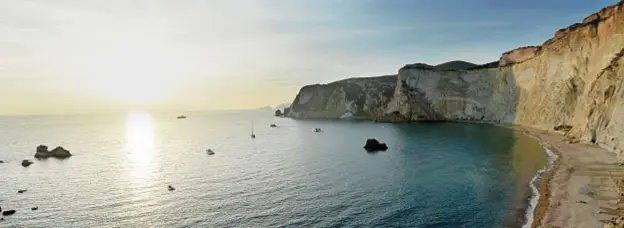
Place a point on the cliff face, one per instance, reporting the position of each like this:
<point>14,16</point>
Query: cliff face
<point>351,98</point>
<point>573,79</point>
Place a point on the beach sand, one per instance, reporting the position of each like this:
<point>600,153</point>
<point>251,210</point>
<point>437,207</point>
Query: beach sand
<point>579,190</point>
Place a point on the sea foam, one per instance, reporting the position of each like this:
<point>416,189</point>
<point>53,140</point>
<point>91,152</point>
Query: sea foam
<point>535,196</point>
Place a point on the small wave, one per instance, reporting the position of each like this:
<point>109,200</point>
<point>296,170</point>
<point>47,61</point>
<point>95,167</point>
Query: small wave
<point>535,196</point>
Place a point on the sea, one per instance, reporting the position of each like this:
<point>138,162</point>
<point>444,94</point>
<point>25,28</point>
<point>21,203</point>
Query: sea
<point>432,175</point>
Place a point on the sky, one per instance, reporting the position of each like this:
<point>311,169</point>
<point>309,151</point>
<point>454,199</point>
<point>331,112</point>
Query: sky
<point>90,56</point>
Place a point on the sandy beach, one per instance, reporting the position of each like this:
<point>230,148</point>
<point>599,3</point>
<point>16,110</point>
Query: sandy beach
<point>579,190</point>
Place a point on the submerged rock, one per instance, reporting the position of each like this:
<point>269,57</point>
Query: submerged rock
<point>9,212</point>
<point>374,145</point>
<point>58,152</point>
<point>26,163</point>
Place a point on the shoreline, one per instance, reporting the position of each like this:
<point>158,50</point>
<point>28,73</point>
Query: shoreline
<point>578,190</point>
<point>536,193</point>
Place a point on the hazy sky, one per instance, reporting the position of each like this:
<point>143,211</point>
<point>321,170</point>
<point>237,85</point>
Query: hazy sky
<point>67,56</point>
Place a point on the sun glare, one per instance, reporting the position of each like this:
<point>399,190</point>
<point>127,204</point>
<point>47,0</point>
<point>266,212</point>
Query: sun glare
<point>140,147</point>
<point>132,72</point>
<point>140,134</point>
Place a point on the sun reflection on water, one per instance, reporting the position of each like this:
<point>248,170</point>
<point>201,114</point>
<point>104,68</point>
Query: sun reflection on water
<point>140,146</point>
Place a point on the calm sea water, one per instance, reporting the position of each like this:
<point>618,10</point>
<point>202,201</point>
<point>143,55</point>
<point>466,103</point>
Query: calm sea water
<point>433,175</point>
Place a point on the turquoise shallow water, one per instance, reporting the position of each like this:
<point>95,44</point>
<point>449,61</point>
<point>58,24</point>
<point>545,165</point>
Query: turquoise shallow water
<point>433,175</point>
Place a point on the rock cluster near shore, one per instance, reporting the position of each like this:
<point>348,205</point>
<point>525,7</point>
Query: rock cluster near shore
<point>58,152</point>
<point>574,80</point>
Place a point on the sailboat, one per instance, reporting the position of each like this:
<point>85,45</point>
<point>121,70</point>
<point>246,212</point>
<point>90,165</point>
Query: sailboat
<point>253,136</point>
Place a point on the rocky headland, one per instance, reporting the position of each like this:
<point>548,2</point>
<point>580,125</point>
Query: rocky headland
<point>570,86</point>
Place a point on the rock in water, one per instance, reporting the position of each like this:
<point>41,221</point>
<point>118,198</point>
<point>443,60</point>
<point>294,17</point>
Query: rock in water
<point>60,152</point>
<point>9,212</point>
<point>42,148</point>
<point>374,145</point>
<point>278,112</point>
<point>171,188</point>
<point>26,163</point>
<point>273,125</point>
<point>42,152</point>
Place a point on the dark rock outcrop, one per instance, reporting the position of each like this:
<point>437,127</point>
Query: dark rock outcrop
<point>58,152</point>
<point>8,212</point>
<point>278,113</point>
<point>26,163</point>
<point>564,128</point>
<point>374,145</point>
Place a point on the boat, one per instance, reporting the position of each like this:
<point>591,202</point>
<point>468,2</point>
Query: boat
<point>210,152</point>
<point>316,129</point>
<point>181,117</point>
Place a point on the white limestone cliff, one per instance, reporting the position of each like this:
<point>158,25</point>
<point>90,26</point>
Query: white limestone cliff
<point>573,79</point>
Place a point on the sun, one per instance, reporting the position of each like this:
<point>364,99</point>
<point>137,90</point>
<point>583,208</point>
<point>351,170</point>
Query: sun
<point>140,133</point>
<point>131,73</point>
